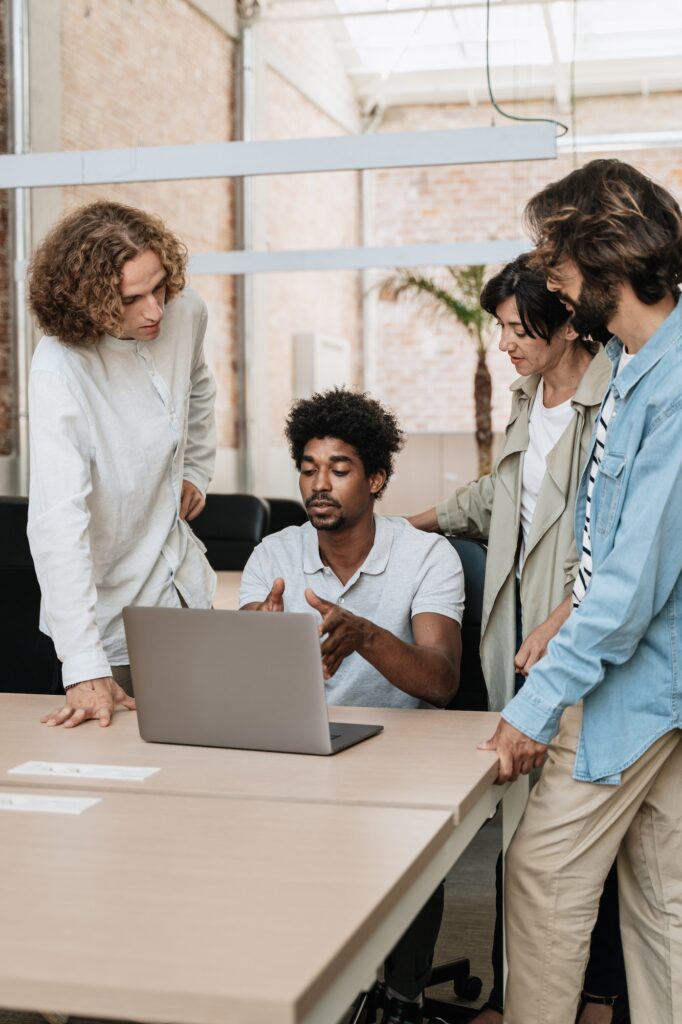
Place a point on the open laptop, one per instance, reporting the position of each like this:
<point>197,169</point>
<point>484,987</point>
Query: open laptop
<point>233,679</point>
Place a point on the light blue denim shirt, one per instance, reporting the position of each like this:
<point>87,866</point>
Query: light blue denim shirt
<point>620,651</point>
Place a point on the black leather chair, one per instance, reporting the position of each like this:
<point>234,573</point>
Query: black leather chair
<point>472,694</point>
<point>231,526</point>
<point>29,662</point>
<point>285,512</point>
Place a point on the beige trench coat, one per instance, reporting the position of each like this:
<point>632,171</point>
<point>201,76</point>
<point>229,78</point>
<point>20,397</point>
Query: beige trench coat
<point>489,509</point>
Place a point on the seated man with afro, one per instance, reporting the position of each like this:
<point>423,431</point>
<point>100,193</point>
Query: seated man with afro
<point>389,599</point>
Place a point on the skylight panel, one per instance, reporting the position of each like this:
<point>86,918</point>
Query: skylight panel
<point>521,34</point>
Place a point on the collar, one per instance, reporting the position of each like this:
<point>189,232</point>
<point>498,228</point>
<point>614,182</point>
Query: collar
<point>595,381</point>
<point>591,388</point>
<point>526,385</point>
<point>119,344</point>
<point>660,342</point>
<point>376,560</point>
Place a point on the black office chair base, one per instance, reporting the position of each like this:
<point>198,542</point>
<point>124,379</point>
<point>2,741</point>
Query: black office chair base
<point>466,986</point>
<point>367,1006</point>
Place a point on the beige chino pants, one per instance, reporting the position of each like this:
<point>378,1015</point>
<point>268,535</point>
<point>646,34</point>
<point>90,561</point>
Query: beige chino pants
<point>556,865</point>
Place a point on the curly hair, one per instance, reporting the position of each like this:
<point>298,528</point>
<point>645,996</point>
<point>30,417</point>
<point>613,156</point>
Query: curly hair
<point>75,273</point>
<point>354,418</point>
<point>615,224</point>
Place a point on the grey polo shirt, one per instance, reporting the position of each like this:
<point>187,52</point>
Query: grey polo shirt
<point>406,572</point>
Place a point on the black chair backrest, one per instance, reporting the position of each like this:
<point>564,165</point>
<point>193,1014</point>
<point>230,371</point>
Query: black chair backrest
<point>231,526</point>
<point>472,694</point>
<point>285,512</point>
<point>29,663</point>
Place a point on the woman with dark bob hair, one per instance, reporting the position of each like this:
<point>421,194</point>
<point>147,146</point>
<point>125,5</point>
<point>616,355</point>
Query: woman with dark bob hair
<point>524,511</point>
<point>122,442</point>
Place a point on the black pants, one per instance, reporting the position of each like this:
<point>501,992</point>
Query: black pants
<point>408,965</point>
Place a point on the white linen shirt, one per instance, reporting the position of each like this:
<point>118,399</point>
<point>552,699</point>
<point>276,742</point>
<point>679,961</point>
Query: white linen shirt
<point>407,572</point>
<point>114,429</point>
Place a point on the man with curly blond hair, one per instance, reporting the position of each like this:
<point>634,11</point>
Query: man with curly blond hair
<point>122,442</point>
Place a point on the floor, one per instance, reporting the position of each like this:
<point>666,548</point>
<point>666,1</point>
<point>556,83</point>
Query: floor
<point>467,928</point>
<point>467,923</point>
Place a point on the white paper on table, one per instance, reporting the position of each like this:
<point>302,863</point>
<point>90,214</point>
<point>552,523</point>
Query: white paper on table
<point>47,804</point>
<point>74,770</point>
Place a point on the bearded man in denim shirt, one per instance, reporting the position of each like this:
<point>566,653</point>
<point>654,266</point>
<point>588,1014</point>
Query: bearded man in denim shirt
<point>604,707</point>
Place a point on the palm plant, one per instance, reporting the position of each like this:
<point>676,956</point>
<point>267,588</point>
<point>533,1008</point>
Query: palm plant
<point>458,297</point>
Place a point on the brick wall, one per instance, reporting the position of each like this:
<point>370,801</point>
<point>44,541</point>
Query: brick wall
<point>6,397</point>
<point>426,364</point>
<point>307,211</point>
<point>163,73</point>
<point>159,73</point>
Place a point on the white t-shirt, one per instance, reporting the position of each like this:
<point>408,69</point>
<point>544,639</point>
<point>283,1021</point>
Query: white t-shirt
<point>406,572</point>
<point>625,359</point>
<point>545,427</point>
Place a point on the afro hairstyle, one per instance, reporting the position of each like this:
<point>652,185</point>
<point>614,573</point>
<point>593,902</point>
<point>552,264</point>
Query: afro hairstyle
<point>356,419</point>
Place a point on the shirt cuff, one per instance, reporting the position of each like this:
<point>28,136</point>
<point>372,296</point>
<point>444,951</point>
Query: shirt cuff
<point>200,480</point>
<point>443,515</point>
<point>80,667</point>
<point>533,717</point>
<point>430,607</point>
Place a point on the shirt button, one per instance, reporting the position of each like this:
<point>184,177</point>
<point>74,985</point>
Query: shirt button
<point>341,600</point>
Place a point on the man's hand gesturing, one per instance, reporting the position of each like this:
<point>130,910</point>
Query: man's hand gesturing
<point>345,632</point>
<point>274,602</point>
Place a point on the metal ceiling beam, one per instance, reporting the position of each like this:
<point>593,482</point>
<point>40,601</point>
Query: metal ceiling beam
<point>593,77</point>
<point>619,142</point>
<point>358,258</point>
<point>562,74</point>
<point>317,14</point>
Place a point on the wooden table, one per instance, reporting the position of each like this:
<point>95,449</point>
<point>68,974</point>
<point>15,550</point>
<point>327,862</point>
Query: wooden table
<point>425,763</point>
<point>197,910</point>
<point>425,759</point>
<point>227,590</point>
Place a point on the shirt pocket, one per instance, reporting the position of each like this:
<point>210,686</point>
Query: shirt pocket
<point>611,474</point>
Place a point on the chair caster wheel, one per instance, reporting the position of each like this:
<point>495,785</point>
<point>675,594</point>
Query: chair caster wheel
<point>468,988</point>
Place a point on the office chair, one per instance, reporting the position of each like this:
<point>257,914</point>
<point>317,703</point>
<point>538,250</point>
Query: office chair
<point>471,696</point>
<point>231,525</point>
<point>29,661</point>
<point>285,512</point>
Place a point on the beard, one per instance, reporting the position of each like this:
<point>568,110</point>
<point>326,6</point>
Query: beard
<point>319,520</point>
<point>593,310</point>
<point>334,524</point>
